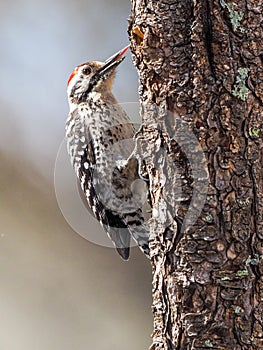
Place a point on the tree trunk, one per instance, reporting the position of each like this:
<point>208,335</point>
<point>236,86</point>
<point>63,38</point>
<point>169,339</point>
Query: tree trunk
<point>201,91</point>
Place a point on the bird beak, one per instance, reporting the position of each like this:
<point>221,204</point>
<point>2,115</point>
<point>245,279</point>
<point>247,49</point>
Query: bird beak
<point>112,62</point>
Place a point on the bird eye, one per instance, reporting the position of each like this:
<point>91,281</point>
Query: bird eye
<point>86,71</point>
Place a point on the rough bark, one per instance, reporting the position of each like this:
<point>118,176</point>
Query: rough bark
<point>200,68</point>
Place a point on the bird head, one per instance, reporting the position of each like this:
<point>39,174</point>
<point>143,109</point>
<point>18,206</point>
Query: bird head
<point>93,77</point>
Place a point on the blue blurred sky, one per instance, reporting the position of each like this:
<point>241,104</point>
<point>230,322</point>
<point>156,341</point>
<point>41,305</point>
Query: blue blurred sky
<point>41,42</point>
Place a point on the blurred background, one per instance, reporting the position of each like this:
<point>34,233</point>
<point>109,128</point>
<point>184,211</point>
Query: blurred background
<point>59,291</point>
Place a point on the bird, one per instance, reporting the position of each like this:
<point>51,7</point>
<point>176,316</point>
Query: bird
<point>100,143</point>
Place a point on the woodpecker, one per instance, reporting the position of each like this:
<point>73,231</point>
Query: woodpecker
<point>100,145</point>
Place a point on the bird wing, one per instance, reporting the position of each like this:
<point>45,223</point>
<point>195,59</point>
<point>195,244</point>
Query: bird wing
<point>84,162</point>
<point>112,223</point>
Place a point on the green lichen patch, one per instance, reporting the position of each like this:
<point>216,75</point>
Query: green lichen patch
<point>254,132</point>
<point>244,202</point>
<point>253,260</point>
<point>238,310</point>
<point>240,90</point>
<point>208,343</point>
<point>208,218</point>
<point>235,16</point>
<point>241,273</point>
<point>225,278</point>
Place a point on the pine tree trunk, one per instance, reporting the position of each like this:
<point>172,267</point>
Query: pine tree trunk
<point>200,68</point>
